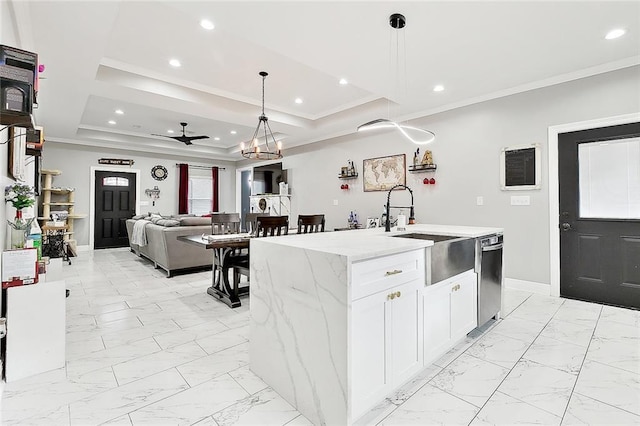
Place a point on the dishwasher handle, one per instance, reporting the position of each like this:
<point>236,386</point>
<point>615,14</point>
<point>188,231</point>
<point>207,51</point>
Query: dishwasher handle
<point>492,248</point>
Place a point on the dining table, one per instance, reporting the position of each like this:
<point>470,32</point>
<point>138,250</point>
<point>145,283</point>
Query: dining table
<point>225,247</point>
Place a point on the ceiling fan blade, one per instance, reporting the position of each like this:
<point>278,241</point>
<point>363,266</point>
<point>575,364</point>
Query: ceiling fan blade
<point>164,136</point>
<point>193,138</point>
<point>187,142</point>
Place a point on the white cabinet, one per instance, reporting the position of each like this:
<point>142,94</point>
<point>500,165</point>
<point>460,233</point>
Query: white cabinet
<point>386,332</point>
<point>450,312</point>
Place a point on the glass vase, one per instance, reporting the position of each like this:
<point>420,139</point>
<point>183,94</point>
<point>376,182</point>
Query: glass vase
<point>19,229</point>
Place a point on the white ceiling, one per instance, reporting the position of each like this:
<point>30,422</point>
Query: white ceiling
<point>103,56</point>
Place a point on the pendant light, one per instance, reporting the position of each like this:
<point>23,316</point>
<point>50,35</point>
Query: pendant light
<point>254,151</point>
<point>415,134</point>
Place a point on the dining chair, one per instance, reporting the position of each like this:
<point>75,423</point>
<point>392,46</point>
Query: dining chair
<point>237,259</point>
<point>251,222</point>
<point>225,223</point>
<point>269,226</point>
<point>309,223</point>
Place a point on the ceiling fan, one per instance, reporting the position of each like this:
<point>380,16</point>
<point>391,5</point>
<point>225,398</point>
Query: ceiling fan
<point>184,138</point>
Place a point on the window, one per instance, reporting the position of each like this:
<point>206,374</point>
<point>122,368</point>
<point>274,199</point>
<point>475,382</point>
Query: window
<point>115,181</point>
<point>200,195</point>
<point>609,178</point>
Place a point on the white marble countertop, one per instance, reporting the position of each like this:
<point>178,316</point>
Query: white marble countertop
<point>364,244</point>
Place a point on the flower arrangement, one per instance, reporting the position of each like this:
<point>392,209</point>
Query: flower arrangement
<point>19,195</point>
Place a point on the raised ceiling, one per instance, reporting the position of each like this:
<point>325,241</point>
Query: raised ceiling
<point>103,56</point>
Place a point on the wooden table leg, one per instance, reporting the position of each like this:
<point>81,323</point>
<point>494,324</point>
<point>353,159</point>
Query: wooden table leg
<point>220,286</point>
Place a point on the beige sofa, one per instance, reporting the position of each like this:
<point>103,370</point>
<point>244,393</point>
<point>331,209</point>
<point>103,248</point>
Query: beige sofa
<point>166,251</point>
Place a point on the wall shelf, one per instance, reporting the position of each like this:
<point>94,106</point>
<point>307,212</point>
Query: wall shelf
<point>348,176</point>
<point>423,168</point>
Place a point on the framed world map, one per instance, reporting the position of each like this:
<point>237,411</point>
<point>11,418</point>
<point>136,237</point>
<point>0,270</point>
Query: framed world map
<point>383,173</point>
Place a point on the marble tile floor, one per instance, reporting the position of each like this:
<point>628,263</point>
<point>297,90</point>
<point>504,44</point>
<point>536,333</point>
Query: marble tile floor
<point>146,350</point>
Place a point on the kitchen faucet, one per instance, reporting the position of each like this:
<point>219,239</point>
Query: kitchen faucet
<point>412,219</point>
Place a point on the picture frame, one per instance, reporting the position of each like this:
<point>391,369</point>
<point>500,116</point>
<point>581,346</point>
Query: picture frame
<point>383,173</point>
<point>520,167</point>
<point>373,222</point>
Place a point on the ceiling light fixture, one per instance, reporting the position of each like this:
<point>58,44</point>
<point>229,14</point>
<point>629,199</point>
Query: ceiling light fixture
<point>343,81</point>
<point>119,112</point>
<point>216,138</point>
<point>438,88</point>
<point>414,134</point>
<point>111,122</point>
<point>170,131</point>
<point>613,34</point>
<point>233,132</point>
<point>207,24</point>
<point>298,100</point>
<point>175,63</point>
<point>254,152</point>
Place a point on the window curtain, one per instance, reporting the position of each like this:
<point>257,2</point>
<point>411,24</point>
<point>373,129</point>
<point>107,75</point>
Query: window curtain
<point>214,189</point>
<point>183,189</point>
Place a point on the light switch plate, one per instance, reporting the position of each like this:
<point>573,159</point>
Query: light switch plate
<point>520,200</point>
<point>480,201</point>
<point>335,202</point>
<point>144,203</point>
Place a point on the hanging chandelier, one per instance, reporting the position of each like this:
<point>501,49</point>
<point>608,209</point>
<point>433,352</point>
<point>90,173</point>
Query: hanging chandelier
<point>254,150</point>
<point>415,134</point>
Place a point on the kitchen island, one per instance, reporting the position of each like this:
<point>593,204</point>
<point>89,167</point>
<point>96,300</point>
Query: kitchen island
<point>337,318</point>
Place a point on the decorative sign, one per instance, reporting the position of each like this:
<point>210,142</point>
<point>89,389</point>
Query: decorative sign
<point>116,161</point>
<point>520,167</point>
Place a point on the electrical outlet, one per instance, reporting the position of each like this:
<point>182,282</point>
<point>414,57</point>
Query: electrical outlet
<point>144,203</point>
<point>335,202</point>
<point>479,201</point>
<point>520,200</point>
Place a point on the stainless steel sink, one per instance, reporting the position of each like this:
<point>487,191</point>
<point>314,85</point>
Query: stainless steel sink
<point>450,255</point>
<point>434,238</point>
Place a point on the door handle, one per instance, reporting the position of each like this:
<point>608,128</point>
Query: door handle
<point>566,226</point>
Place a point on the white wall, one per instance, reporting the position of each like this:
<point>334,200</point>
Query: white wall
<point>467,152</point>
<point>75,162</point>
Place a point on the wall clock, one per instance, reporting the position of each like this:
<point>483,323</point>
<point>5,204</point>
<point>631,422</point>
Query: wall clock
<point>159,172</point>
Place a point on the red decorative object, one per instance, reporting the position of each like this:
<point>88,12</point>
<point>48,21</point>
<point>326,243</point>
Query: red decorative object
<point>426,181</point>
<point>344,186</point>
<point>432,181</point>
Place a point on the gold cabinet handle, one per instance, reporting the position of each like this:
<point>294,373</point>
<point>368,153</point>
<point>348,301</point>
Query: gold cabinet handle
<point>391,296</point>
<point>398,294</point>
<point>394,272</point>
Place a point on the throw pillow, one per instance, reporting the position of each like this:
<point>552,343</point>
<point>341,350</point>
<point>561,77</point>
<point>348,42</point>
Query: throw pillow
<point>168,222</point>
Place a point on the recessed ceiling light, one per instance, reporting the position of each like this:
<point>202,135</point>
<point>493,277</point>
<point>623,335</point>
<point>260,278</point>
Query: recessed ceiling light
<point>207,24</point>
<point>438,88</point>
<point>298,100</point>
<point>618,32</point>
<point>233,132</point>
<point>175,63</point>
<point>119,111</point>
<point>111,122</point>
<point>216,138</point>
<point>343,81</point>
<point>169,131</point>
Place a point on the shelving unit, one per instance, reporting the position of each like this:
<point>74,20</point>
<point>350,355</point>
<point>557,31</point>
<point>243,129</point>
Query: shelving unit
<point>63,197</point>
<point>423,168</point>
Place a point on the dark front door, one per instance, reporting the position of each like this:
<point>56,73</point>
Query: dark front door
<point>599,178</point>
<point>115,203</point>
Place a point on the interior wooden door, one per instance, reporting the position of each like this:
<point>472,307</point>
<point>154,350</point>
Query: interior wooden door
<point>599,187</point>
<point>115,201</point>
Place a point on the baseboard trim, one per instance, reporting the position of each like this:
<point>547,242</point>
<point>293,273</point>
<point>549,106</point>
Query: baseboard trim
<point>83,248</point>
<point>530,286</point>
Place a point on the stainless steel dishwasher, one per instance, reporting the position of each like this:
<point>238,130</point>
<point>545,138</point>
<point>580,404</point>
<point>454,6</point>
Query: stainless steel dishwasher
<point>489,269</point>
